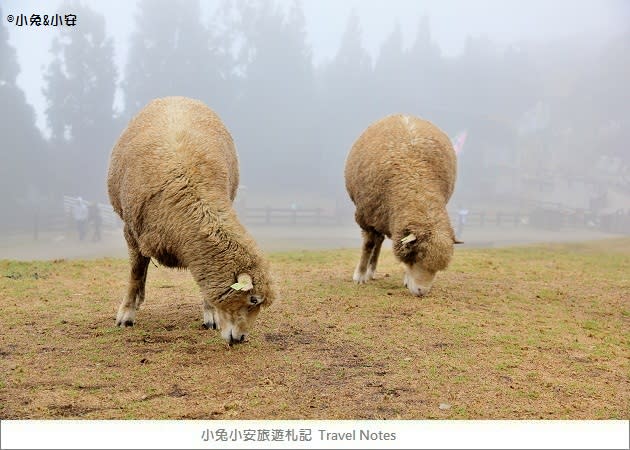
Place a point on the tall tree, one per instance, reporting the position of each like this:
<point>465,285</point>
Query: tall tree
<point>9,69</point>
<point>276,89</point>
<point>23,151</point>
<point>347,101</point>
<point>392,81</point>
<point>80,86</point>
<point>172,52</point>
<point>350,70</point>
<point>427,76</point>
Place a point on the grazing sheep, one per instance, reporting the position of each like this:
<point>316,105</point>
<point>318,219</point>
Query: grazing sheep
<point>400,173</point>
<point>172,178</point>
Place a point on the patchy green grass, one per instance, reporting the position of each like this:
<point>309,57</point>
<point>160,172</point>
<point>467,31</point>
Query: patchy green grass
<point>516,333</point>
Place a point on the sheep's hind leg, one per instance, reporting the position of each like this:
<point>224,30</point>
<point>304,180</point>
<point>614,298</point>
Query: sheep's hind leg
<point>361,273</point>
<point>376,251</point>
<point>135,293</point>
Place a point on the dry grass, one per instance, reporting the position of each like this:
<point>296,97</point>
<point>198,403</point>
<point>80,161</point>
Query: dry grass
<point>516,333</point>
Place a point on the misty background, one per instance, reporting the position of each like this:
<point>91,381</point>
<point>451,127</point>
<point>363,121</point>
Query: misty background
<point>535,96</point>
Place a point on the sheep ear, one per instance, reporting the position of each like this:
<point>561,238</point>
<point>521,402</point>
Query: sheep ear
<point>409,238</point>
<point>457,241</point>
<point>245,280</point>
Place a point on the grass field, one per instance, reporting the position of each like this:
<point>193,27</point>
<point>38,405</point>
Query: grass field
<point>534,332</point>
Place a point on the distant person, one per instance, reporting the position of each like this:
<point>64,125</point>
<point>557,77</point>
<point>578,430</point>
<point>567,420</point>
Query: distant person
<point>94,216</point>
<point>462,213</point>
<point>80,214</point>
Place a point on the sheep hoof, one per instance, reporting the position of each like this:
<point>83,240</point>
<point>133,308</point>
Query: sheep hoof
<point>360,278</point>
<point>210,325</point>
<point>129,323</point>
<point>236,341</point>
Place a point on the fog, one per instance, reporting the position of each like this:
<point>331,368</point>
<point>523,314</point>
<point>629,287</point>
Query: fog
<point>533,94</point>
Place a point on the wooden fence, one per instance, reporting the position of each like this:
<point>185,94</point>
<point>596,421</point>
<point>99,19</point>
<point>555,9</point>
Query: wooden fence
<point>541,218</point>
<point>483,218</point>
<point>288,216</point>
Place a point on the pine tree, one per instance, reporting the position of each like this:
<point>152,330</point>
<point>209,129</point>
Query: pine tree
<point>173,53</point>
<point>392,84</point>
<point>80,83</point>
<point>23,151</point>
<point>348,103</point>
<point>427,77</point>
<point>275,120</point>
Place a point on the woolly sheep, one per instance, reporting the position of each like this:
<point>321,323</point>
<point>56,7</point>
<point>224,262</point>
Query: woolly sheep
<point>172,178</point>
<point>400,174</point>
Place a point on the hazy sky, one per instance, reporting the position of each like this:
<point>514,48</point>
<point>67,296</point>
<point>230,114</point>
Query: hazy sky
<point>504,21</point>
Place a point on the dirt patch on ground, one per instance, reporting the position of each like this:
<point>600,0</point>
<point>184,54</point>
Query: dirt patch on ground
<point>515,333</point>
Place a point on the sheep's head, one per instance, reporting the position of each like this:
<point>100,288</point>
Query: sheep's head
<point>423,254</point>
<point>236,310</point>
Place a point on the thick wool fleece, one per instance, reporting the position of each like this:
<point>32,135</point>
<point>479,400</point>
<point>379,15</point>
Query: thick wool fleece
<point>400,173</point>
<point>172,178</point>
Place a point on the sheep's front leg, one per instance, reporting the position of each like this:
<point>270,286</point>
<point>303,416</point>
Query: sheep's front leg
<point>368,257</point>
<point>135,293</point>
<point>376,251</point>
<point>209,318</point>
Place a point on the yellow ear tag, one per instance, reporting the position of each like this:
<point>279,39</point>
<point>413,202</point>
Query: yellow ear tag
<point>409,238</point>
<point>237,286</point>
